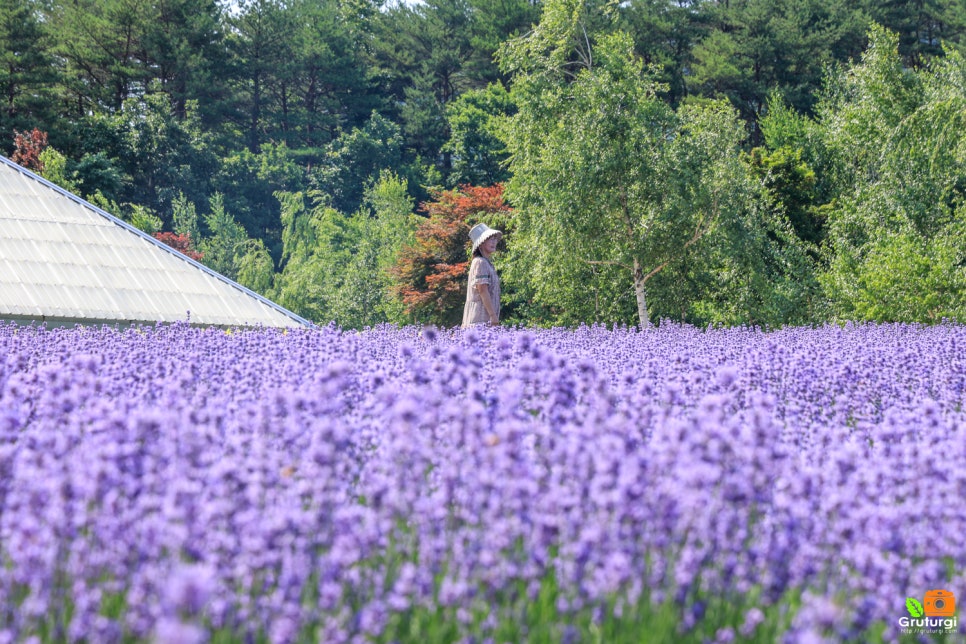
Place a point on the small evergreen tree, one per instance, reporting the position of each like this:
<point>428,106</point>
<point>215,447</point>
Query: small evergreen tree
<point>226,239</point>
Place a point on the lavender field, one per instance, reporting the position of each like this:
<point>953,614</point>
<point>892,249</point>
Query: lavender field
<point>174,484</point>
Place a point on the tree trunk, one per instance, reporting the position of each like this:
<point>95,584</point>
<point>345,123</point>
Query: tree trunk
<point>640,290</point>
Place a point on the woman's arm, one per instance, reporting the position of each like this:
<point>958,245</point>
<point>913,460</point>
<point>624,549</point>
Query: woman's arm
<point>484,291</point>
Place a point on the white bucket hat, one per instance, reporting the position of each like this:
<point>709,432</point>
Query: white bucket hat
<point>480,233</point>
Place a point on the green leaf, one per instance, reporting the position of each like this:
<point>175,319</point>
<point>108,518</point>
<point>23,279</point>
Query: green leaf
<point>914,607</point>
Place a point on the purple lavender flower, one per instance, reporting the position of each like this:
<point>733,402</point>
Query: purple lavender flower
<point>274,484</point>
<point>189,588</point>
<point>173,631</point>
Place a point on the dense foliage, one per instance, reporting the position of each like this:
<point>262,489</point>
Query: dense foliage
<point>175,484</point>
<point>762,161</point>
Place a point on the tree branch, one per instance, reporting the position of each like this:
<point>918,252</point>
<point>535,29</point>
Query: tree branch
<point>606,263</point>
<point>654,272</point>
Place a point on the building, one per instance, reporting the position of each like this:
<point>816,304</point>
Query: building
<point>66,261</point>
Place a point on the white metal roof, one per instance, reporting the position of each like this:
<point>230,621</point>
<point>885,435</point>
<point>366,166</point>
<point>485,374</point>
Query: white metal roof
<point>62,258</point>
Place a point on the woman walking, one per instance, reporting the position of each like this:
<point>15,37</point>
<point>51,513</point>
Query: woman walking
<point>483,290</point>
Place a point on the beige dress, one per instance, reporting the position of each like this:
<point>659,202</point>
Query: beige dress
<point>482,271</point>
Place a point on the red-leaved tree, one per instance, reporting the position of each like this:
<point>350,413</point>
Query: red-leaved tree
<point>430,274</point>
<point>27,147</point>
<point>181,243</point>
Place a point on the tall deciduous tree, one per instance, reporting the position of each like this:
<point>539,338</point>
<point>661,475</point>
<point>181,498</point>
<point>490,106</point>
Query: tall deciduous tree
<point>612,186</point>
<point>897,156</point>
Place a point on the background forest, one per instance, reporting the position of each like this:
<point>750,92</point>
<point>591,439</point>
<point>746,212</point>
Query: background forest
<point>728,162</point>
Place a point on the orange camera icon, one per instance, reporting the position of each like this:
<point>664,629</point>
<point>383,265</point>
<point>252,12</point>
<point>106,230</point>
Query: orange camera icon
<point>939,603</point>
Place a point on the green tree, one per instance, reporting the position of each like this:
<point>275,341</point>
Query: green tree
<point>611,185</point>
<point>156,154</point>
<point>184,43</point>
<point>255,268</point>
<point>423,47</point>
<point>429,54</point>
<point>96,174</point>
<point>138,216</point>
<point>184,218</point>
<point>478,156</point>
<point>101,44</point>
<point>752,270</point>
<point>923,26</point>
<point>784,128</point>
<point>389,208</point>
<point>88,179</point>
<point>306,283</point>
<point>895,141</point>
<point>226,241</point>
<point>249,182</point>
<point>760,46</point>
<point>262,54</point>
<point>336,266</point>
<point>490,24</point>
<point>55,170</point>
<point>385,223</point>
<point>902,277</point>
<point>665,33</point>
<point>27,70</point>
<point>355,159</point>
<point>790,183</point>
<point>114,50</point>
<point>332,85</point>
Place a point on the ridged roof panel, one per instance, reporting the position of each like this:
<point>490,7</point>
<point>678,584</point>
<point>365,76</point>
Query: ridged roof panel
<point>61,257</point>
